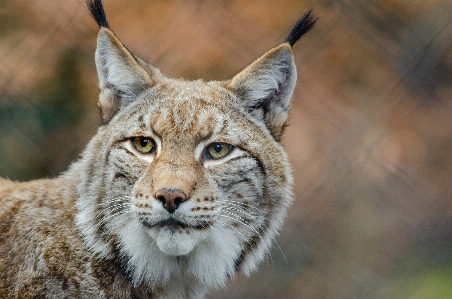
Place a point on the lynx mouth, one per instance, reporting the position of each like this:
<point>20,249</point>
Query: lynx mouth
<point>175,237</point>
<point>174,224</point>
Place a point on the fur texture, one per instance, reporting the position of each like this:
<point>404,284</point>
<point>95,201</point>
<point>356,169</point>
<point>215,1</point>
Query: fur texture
<point>101,229</point>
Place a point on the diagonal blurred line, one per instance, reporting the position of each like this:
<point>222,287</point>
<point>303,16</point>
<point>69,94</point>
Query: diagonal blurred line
<point>394,97</point>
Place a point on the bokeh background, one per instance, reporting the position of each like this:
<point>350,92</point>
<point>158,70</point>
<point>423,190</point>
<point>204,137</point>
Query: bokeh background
<point>370,134</point>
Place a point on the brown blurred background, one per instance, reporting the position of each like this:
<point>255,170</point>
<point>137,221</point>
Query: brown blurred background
<point>370,134</point>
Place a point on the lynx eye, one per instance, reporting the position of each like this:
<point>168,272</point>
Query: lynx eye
<point>218,150</point>
<point>144,145</point>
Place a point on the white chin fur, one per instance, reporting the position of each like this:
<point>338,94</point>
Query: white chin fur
<point>176,243</point>
<point>208,257</point>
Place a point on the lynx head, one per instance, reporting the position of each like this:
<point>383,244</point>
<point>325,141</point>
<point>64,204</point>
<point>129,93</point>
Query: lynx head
<point>186,179</point>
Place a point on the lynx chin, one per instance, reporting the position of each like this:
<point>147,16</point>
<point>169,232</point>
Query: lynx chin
<point>184,184</point>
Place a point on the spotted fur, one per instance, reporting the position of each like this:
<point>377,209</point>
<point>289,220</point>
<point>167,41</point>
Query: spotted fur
<point>100,230</point>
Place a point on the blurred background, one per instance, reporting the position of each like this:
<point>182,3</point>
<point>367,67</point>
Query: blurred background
<point>370,135</point>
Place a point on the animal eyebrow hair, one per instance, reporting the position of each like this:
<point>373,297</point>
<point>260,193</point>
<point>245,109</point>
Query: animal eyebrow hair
<point>301,27</point>
<point>96,8</point>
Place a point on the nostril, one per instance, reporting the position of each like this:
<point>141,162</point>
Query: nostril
<point>171,198</point>
<point>161,199</point>
<point>177,201</point>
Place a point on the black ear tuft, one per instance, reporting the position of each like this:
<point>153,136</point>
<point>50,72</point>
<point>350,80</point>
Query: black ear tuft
<point>96,8</point>
<point>303,25</point>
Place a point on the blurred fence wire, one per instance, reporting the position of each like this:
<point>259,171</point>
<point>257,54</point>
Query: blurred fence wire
<point>370,134</point>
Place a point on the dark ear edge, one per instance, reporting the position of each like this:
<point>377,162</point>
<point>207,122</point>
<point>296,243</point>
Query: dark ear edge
<point>301,27</point>
<point>96,8</point>
<point>264,89</point>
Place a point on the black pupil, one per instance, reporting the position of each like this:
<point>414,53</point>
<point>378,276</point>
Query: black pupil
<point>144,142</point>
<point>217,148</point>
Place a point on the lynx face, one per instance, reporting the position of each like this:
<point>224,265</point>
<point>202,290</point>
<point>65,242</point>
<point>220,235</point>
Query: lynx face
<point>186,180</point>
<point>184,173</point>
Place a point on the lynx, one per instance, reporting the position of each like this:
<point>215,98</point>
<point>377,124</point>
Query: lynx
<point>184,184</point>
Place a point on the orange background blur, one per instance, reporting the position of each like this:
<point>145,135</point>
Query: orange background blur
<point>370,135</point>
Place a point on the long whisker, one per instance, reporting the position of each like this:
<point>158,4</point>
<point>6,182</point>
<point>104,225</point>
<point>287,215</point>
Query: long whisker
<point>104,221</point>
<point>234,208</point>
<point>113,200</point>
<point>280,249</point>
<point>108,217</point>
<point>105,218</point>
<point>112,208</point>
<point>249,244</point>
<point>230,226</point>
<point>242,204</point>
<point>248,225</point>
<point>214,228</point>
<point>240,220</point>
<point>207,224</point>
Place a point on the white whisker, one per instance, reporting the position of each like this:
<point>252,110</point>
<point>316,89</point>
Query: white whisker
<point>233,208</point>
<point>115,199</point>
<point>111,209</point>
<point>241,220</point>
<point>106,218</point>
<point>242,204</point>
<point>230,226</point>
<point>279,247</point>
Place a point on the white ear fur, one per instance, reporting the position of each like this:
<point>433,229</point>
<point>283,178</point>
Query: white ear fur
<point>266,86</point>
<point>121,77</point>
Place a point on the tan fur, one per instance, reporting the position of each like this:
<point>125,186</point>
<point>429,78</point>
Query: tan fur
<point>100,231</point>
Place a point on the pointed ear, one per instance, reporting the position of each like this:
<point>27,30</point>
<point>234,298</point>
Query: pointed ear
<point>266,86</point>
<point>121,76</point>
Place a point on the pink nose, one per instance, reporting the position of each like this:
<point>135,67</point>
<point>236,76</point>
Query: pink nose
<point>171,198</point>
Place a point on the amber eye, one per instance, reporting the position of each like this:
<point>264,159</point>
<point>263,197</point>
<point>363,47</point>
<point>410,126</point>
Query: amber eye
<point>218,150</point>
<point>144,145</point>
